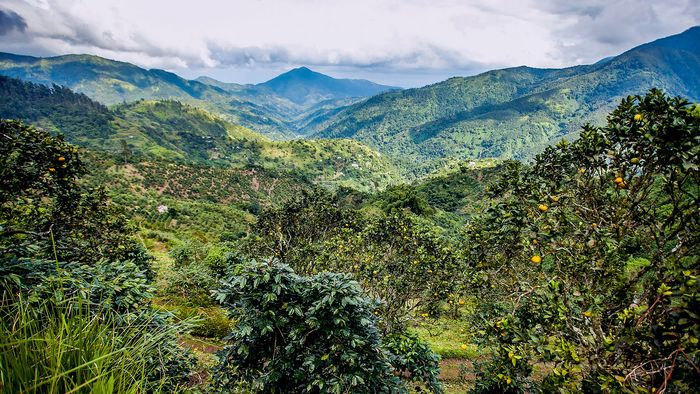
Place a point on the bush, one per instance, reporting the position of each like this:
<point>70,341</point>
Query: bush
<point>192,283</point>
<point>301,335</point>
<point>413,358</point>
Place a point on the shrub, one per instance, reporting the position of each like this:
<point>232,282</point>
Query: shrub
<point>399,260</point>
<point>413,359</point>
<point>301,335</point>
<point>191,283</point>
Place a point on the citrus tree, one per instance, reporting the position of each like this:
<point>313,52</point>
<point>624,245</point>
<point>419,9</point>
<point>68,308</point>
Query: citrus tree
<point>400,260</point>
<point>45,211</point>
<point>591,255</point>
<point>295,231</point>
<point>76,286</point>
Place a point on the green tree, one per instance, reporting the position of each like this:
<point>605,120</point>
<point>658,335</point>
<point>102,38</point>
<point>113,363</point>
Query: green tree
<point>295,231</point>
<point>45,211</point>
<point>400,260</point>
<point>591,254</point>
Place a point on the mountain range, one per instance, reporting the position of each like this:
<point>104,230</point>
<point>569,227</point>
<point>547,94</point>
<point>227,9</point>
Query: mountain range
<point>515,112</point>
<point>273,108</point>
<point>503,114</point>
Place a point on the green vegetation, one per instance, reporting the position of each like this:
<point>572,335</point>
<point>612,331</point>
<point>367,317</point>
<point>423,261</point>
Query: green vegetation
<point>513,113</point>
<point>588,260</point>
<point>277,108</point>
<point>76,289</point>
<point>175,251</point>
<point>310,335</point>
<point>169,131</point>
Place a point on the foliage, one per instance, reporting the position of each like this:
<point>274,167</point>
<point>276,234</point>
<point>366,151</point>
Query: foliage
<point>591,255</point>
<point>68,345</point>
<point>208,322</point>
<point>76,284</point>
<point>46,213</point>
<point>294,232</point>
<point>191,283</point>
<point>119,286</point>
<point>403,197</point>
<point>56,108</point>
<point>400,260</point>
<point>301,334</point>
<point>203,143</point>
<point>414,358</point>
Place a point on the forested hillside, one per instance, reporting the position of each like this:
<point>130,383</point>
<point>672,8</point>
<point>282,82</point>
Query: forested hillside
<point>176,132</point>
<point>276,107</point>
<point>512,113</point>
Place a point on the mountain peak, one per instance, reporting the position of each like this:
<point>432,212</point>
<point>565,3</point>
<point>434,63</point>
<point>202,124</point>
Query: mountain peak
<point>304,86</point>
<point>300,73</point>
<point>302,69</point>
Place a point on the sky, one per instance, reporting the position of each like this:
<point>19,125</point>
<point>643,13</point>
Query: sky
<point>403,43</point>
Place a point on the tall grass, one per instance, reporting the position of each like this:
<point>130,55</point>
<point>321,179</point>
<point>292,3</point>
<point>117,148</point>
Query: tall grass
<point>71,347</point>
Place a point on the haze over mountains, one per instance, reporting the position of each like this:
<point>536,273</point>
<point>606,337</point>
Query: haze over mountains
<point>509,113</point>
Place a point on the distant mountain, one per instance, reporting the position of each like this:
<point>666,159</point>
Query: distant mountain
<point>511,113</point>
<point>112,82</point>
<point>170,131</point>
<point>301,95</point>
<point>277,108</point>
<point>305,87</point>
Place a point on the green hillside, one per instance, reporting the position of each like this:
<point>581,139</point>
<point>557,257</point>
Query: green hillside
<point>277,108</point>
<point>171,131</point>
<point>511,113</point>
<point>113,82</point>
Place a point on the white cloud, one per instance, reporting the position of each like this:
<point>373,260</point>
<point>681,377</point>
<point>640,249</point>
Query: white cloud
<point>385,37</point>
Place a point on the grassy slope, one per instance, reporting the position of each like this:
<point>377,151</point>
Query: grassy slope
<point>170,130</point>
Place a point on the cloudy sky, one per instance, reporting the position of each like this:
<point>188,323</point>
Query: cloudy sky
<point>398,42</point>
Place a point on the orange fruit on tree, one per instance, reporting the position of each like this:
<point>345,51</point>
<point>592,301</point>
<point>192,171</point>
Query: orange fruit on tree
<point>543,207</point>
<point>536,259</point>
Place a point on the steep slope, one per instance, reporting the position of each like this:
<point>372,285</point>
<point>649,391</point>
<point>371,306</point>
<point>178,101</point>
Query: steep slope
<point>170,131</point>
<point>54,109</point>
<point>511,113</point>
